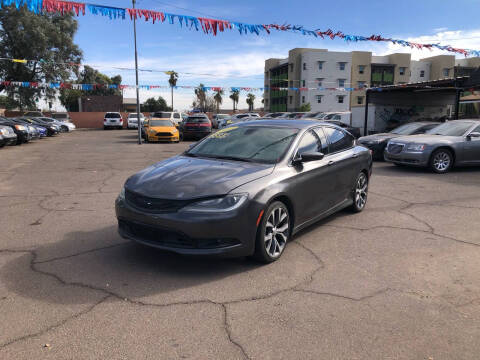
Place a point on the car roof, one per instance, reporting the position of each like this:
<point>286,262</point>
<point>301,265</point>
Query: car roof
<point>296,124</point>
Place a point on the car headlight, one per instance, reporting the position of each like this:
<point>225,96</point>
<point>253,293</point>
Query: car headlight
<point>415,147</point>
<point>222,204</point>
<point>3,131</point>
<point>152,131</point>
<point>20,127</point>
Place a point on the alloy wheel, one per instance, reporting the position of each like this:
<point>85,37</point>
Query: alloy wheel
<point>276,232</point>
<point>361,191</point>
<point>441,161</point>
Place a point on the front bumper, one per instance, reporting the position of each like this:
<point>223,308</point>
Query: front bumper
<point>408,158</point>
<point>10,139</point>
<point>229,234</point>
<point>172,138</point>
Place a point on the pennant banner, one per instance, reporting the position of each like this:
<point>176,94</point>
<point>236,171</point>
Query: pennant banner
<point>214,26</point>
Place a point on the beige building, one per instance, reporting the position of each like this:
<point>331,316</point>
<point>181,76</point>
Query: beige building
<point>320,68</point>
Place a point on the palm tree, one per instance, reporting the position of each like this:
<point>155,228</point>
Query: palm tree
<point>234,95</point>
<point>201,96</point>
<point>218,99</point>
<point>250,101</point>
<point>172,81</point>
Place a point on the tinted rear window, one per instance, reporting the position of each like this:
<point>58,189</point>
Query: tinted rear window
<point>197,120</point>
<point>112,116</point>
<point>162,114</point>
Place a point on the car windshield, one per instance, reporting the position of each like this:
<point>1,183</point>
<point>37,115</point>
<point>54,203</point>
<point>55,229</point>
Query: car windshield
<point>407,129</point>
<point>196,120</point>
<point>246,143</point>
<point>112,116</point>
<point>135,116</point>
<point>60,116</point>
<point>451,128</point>
<point>161,123</point>
<point>162,114</point>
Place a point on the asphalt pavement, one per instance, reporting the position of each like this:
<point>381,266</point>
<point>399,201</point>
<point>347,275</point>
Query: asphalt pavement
<point>400,280</point>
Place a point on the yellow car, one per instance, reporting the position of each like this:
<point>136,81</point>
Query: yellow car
<point>161,130</point>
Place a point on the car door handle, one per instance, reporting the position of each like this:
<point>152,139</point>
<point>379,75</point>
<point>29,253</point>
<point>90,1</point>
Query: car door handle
<point>331,162</point>
<point>354,155</point>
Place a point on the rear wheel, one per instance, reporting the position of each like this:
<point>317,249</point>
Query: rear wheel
<point>273,233</point>
<point>360,193</point>
<point>441,161</point>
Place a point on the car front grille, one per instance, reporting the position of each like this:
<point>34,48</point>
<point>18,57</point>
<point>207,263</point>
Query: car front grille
<point>395,148</point>
<point>164,134</point>
<point>170,238</point>
<point>154,205</point>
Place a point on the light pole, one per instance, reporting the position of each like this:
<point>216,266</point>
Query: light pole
<point>136,77</point>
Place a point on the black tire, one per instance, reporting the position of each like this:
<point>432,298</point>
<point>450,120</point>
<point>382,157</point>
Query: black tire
<point>441,161</point>
<point>272,218</point>
<point>360,193</point>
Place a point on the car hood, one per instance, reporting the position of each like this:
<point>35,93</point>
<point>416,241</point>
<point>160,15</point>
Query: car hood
<point>183,177</point>
<point>426,139</point>
<point>378,137</point>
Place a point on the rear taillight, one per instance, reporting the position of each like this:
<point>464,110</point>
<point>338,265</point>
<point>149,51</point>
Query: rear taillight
<point>204,124</point>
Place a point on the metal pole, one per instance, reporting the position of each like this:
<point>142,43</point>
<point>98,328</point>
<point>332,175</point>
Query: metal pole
<point>365,124</point>
<point>139,124</point>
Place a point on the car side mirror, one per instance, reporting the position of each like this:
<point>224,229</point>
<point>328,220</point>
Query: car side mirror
<point>474,134</point>
<point>309,156</point>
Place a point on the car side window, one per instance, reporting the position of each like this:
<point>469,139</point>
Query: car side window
<point>323,140</point>
<point>336,117</point>
<point>176,116</point>
<point>338,139</point>
<point>477,129</point>
<point>309,143</point>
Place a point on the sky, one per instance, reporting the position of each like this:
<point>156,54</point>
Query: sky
<point>238,60</point>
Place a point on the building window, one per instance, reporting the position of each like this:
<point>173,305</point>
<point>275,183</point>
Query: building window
<point>303,99</point>
<point>359,100</point>
<point>290,83</point>
<point>360,84</point>
<point>382,75</point>
<point>341,83</point>
<point>446,72</point>
<point>361,69</point>
<point>319,98</point>
<point>319,82</point>
<point>320,65</point>
<point>340,99</point>
<point>341,65</point>
<point>402,70</point>
<point>290,99</point>
<point>304,66</point>
<point>303,83</point>
<point>422,73</point>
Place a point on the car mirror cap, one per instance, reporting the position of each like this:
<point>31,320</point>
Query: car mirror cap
<point>311,156</point>
<point>474,134</point>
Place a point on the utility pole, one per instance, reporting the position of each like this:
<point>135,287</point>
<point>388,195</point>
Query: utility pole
<point>136,77</point>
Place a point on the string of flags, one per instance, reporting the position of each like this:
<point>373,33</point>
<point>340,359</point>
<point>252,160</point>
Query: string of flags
<point>212,26</point>
<point>90,87</point>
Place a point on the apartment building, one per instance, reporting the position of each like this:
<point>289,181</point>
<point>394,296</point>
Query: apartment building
<point>320,68</point>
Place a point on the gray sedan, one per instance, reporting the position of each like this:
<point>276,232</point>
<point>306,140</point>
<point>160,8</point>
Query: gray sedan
<point>246,189</point>
<point>454,143</point>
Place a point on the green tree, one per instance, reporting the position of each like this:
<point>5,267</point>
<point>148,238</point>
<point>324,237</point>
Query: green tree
<point>234,95</point>
<point>152,105</point>
<point>250,101</point>
<point>218,99</point>
<point>305,107</point>
<point>172,81</point>
<point>45,39</point>
<point>201,95</point>
<point>89,75</point>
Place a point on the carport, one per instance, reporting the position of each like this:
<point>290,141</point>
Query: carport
<point>390,106</point>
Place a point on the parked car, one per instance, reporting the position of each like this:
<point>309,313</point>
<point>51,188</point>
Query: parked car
<point>274,115</point>
<point>293,115</point>
<point>40,128</point>
<point>33,114</point>
<point>352,130</point>
<point>32,132</point>
<point>196,127</point>
<point>50,129</point>
<point>272,179</point>
<point>160,130</point>
<point>453,143</point>
<point>312,114</point>
<point>216,118</point>
<point>61,117</point>
<point>64,126</point>
<point>112,120</point>
<point>19,129</point>
<point>378,142</point>
<point>7,136</point>
<point>132,120</point>
<point>173,116</point>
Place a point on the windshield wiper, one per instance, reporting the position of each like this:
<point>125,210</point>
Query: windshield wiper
<point>221,157</point>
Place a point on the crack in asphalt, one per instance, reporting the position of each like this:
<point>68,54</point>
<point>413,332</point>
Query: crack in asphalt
<point>229,333</point>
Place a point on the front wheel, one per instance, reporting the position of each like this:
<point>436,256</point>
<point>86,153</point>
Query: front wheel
<point>360,193</point>
<point>273,233</point>
<point>441,161</point>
